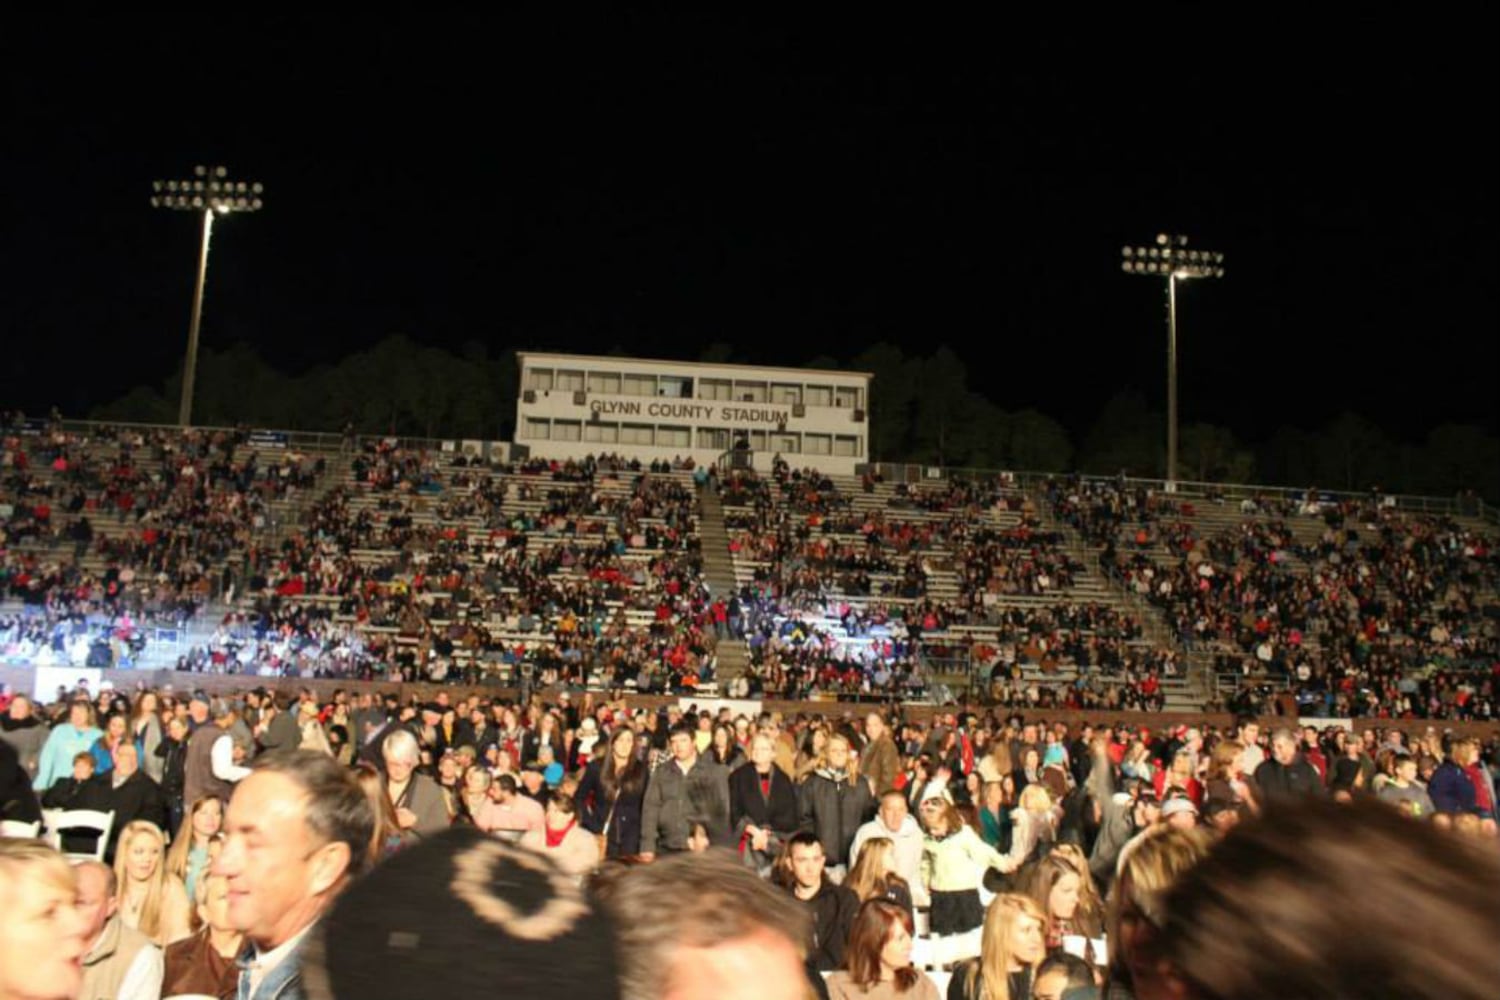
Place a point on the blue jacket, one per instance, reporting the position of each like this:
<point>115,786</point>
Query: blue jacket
<point>65,743</point>
<point>1451,790</point>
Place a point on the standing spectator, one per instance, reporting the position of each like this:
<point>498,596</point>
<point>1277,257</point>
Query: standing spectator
<point>1286,773</point>
<point>210,767</point>
<point>954,861</point>
<point>562,839</point>
<point>880,762</point>
<point>685,788</point>
<point>1453,793</point>
<point>762,806</point>
<point>67,741</point>
<point>18,801</point>
<point>611,795</point>
<point>420,805</point>
<point>835,801</point>
<point>515,813</point>
<point>894,822</point>
<point>122,963</point>
<point>23,731</point>
<point>802,872</point>
<point>299,829</point>
<point>145,732</point>
<point>278,727</point>
<point>172,755</point>
<point>1404,791</point>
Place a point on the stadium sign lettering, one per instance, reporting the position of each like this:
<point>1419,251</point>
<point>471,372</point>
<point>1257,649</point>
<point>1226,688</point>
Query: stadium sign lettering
<point>692,411</point>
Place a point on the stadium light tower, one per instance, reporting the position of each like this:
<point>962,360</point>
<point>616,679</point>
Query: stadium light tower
<point>210,193</point>
<point>1171,259</point>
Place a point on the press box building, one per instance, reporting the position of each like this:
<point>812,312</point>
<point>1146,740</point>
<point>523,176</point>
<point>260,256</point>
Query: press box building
<point>574,405</point>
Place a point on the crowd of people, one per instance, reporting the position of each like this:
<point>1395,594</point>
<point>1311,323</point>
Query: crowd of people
<point>258,841</point>
<point>1371,611</point>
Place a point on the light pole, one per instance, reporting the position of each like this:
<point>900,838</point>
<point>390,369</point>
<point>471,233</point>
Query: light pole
<point>1171,259</point>
<point>209,193</point>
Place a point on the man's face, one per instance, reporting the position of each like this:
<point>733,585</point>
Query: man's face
<point>95,904</point>
<point>1050,986</point>
<point>45,937</point>
<point>126,761</point>
<point>893,812</point>
<point>1284,750</point>
<point>807,864</point>
<point>682,747</point>
<point>1250,734</point>
<point>277,871</point>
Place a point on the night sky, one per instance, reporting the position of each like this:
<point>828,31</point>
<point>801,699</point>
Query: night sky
<point>796,190</point>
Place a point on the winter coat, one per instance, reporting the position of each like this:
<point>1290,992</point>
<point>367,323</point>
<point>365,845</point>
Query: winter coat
<point>834,807</point>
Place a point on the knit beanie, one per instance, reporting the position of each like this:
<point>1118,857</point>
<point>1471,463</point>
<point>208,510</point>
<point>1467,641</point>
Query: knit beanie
<point>462,914</point>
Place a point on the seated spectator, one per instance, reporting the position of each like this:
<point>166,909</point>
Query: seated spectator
<point>204,964</point>
<point>152,900</point>
<point>122,963</point>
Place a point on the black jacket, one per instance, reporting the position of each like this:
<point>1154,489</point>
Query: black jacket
<point>174,767</point>
<point>17,799</point>
<point>832,911</point>
<point>594,810</point>
<point>1277,780</point>
<point>834,808</point>
<point>748,807</point>
<point>138,798</point>
<point>70,793</point>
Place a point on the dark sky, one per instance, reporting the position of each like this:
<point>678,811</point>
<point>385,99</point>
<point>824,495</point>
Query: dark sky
<point>659,184</point>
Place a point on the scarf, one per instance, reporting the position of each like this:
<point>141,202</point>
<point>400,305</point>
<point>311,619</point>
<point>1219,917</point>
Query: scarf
<point>555,837</point>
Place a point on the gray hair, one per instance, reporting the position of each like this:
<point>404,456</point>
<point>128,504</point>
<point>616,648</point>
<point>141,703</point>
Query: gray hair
<point>401,745</point>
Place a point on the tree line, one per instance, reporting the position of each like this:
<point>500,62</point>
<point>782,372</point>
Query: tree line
<point>922,409</point>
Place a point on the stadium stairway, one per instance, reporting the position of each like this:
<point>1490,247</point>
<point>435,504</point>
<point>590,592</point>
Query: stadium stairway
<point>718,571</point>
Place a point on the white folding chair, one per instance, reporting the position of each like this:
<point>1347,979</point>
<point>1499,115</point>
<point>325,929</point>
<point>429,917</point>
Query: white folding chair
<point>89,820</point>
<point>15,828</point>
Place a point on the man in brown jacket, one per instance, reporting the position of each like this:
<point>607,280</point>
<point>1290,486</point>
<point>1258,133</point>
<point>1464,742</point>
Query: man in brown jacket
<point>122,963</point>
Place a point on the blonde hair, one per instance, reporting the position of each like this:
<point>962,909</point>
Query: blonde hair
<point>22,858</point>
<point>1147,874</point>
<point>872,873</point>
<point>1035,798</point>
<point>150,919</point>
<point>989,976</point>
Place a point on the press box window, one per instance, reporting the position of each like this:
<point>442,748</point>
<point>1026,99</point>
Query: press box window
<point>539,379</point>
<point>674,437</point>
<point>845,446</point>
<point>569,381</point>
<point>817,444</point>
<point>637,434</point>
<point>819,395</point>
<point>640,385</point>
<point>715,388</point>
<point>604,383</point>
<point>537,430</point>
<point>567,430</point>
<point>601,433</point>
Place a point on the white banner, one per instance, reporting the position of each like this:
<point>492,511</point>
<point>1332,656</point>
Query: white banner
<point>749,709</point>
<point>1326,723</point>
<point>48,679</point>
